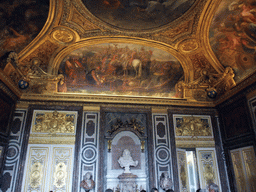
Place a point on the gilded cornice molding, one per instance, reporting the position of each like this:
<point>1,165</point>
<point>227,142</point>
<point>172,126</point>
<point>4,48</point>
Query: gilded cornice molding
<point>77,98</point>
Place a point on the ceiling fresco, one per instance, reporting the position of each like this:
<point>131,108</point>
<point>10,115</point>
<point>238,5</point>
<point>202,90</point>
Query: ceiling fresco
<point>21,21</point>
<point>120,69</point>
<point>162,51</point>
<point>232,36</point>
<point>138,14</point>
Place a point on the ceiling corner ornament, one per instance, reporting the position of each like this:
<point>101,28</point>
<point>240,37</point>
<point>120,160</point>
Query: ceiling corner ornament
<point>188,45</point>
<point>43,52</point>
<point>63,35</point>
<point>185,28</point>
<point>84,24</point>
<point>208,82</point>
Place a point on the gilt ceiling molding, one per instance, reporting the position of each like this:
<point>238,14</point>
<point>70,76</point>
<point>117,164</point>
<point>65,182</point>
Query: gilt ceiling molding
<point>203,34</point>
<point>54,98</point>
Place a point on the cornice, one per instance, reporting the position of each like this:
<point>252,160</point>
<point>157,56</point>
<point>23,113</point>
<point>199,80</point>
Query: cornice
<point>77,98</point>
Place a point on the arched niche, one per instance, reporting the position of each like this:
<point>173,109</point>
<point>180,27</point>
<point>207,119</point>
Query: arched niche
<point>121,141</point>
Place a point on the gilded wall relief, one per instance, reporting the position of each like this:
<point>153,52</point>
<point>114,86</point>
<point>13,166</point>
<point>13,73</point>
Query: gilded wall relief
<point>49,168</point>
<point>120,69</point>
<point>138,15</point>
<point>53,122</point>
<point>232,36</point>
<point>21,21</point>
<point>208,168</point>
<point>192,126</point>
<point>243,160</point>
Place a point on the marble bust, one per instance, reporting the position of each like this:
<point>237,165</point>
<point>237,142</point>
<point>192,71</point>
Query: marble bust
<point>88,183</point>
<point>126,161</point>
<point>165,181</point>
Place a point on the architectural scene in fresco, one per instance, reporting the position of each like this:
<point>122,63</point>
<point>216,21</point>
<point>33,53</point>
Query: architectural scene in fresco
<point>21,21</point>
<point>120,69</point>
<point>233,36</point>
<point>138,14</point>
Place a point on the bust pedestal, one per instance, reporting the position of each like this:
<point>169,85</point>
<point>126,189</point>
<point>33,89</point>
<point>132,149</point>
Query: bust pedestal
<point>127,182</point>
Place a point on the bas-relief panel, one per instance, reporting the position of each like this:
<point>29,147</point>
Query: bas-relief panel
<point>232,36</point>
<point>192,126</point>
<point>138,14</point>
<point>21,21</point>
<point>120,69</point>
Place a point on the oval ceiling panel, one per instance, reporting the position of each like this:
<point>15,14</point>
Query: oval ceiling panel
<point>138,14</point>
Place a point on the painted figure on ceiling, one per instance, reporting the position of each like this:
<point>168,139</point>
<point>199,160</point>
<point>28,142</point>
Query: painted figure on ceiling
<point>21,21</point>
<point>233,36</point>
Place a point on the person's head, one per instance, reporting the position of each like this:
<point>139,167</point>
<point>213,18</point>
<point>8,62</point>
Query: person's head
<point>143,190</point>
<point>109,190</point>
<point>88,175</point>
<point>213,187</point>
<point>154,190</point>
<point>169,190</point>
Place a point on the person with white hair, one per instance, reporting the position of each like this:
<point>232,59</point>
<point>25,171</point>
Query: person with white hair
<point>213,187</point>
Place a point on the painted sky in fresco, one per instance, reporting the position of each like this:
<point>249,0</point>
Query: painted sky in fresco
<point>20,22</point>
<point>120,69</point>
<point>233,36</point>
<point>138,14</point>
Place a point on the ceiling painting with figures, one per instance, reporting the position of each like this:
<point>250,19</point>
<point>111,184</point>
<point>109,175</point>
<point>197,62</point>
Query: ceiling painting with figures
<point>121,69</point>
<point>138,14</point>
<point>232,36</point>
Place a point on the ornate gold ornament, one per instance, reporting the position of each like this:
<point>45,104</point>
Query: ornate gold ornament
<point>192,126</point>
<point>54,122</point>
<point>44,52</point>
<point>63,35</point>
<point>209,174</point>
<point>188,45</point>
<point>60,175</point>
<point>133,124</point>
<point>76,18</point>
<point>36,174</point>
<point>208,81</point>
<point>175,33</point>
<point>142,146</point>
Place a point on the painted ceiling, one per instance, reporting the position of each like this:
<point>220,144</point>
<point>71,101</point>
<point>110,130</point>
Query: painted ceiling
<point>160,51</point>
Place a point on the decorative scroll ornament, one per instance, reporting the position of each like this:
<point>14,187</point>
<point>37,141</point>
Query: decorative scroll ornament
<point>133,124</point>
<point>192,126</point>
<point>54,123</point>
<point>60,175</point>
<point>36,175</point>
<point>207,82</point>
